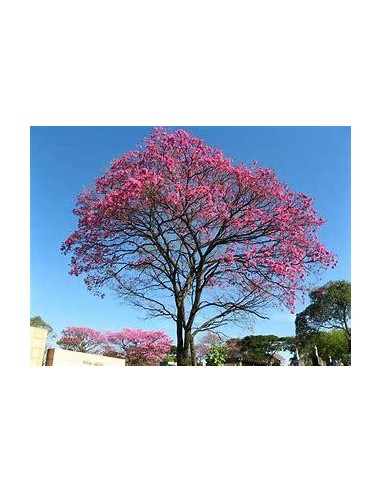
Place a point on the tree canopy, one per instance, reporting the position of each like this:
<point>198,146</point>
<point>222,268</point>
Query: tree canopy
<point>330,346</point>
<point>179,230</point>
<point>139,347</point>
<point>81,339</point>
<point>136,347</point>
<point>40,323</point>
<point>330,309</point>
<point>260,349</point>
<point>216,355</point>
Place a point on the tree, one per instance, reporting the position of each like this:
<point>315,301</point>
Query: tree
<point>216,355</point>
<point>333,345</point>
<point>260,349</point>
<point>233,350</point>
<point>139,347</point>
<point>40,323</point>
<point>82,340</point>
<point>171,356</point>
<point>330,309</point>
<point>329,344</point>
<point>289,344</point>
<point>203,348</point>
<point>178,230</point>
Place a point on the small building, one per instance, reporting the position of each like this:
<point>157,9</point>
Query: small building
<point>38,336</point>
<point>61,357</point>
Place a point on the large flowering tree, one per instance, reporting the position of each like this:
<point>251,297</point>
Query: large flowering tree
<point>178,229</point>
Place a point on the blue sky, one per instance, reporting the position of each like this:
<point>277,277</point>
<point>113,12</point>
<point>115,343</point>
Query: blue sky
<point>64,160</point>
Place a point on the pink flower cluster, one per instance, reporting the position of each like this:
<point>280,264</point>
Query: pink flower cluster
<point>139,347</point>
<point>81,339</point>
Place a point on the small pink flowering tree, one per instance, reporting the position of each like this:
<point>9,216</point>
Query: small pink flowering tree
<point>203,347</point>
<point>139,347</point>
<point>81,340</point>
<point>180,231</point>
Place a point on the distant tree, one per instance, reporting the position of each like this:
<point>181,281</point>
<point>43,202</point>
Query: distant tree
<point>260,349</point>
<point>330,309</point>
<point>173,350</point>
<point>171,356</point>
<point>82,340</point>
<point>203,347</point>
<point>333,345</point>
<point>233,350</point>
<point>329,344</point>
<point>40,323</point>
<point>139,347</point>
<point>288,344</point>
<point>217,355</point>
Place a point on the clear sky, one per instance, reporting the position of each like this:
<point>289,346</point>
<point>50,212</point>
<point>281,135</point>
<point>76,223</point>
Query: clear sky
<point>313,160</point>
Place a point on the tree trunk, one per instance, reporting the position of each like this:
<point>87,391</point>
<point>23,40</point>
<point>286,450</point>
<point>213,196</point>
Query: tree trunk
<point>180,342</point>
<point>347,332</point>
<point>183,342</point>
<point>186,358</point>
<point>182,355</point>
<point>349,343</point>
<point>192,351</point>
<point>185,353</point>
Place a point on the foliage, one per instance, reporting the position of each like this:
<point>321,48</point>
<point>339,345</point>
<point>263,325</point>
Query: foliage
<point>330,345</point>
<point>233,350</point>
<point>139,347</point>
<point>40,323</point>
<point>171,357</point>
<point>257,349</point>
<point>81,340</point>
<point>260,349</point>
<point>288,343</point>
<point>180,231</point>
<point>346,359</point>
<point>216,355</point>
<point>173,350</point>
<point>330,309</point>
<point>204,346</point>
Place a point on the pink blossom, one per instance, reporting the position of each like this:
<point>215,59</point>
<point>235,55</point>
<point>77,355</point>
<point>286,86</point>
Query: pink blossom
<point>139,347</point>
<point>179,192</point>
<point>81,339</point>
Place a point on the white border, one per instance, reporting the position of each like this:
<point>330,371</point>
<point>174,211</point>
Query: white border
<point>165,63</point>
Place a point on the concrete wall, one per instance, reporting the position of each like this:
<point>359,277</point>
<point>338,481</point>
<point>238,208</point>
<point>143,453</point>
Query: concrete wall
<point>37,345</point>
<point>60,357</point>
